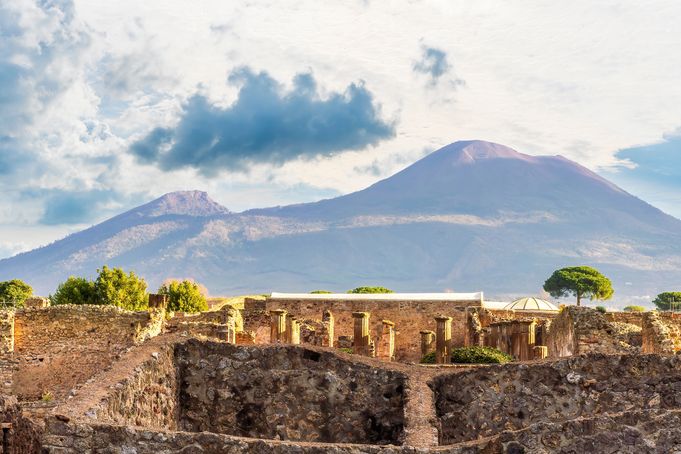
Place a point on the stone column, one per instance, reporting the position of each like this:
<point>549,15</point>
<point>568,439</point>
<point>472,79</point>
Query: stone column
<point>230,326</point>
<point>278,326</point>
<point>328,336</point>
<point>295,332</point>
<point>443,339</point>
<point>386,341</point>
<point>427,342</point>
<point>360,340</point>
<point>540,351</point>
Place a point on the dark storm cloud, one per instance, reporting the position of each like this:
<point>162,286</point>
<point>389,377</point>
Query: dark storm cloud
<point>266,125</point>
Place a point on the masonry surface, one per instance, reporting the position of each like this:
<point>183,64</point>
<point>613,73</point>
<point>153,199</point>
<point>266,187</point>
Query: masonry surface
<point>262,376</point>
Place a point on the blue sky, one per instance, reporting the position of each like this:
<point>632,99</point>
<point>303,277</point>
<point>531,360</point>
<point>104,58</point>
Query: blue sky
<point>105,105</point>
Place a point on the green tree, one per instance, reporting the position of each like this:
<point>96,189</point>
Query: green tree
<point>370,290</point>
<point>75,290</point>
<point>579,281</point>
<point>635,309</point>
<point>15,292</point>
<point>113,286</point>
<point>668,300</point>
<point>184,296</point>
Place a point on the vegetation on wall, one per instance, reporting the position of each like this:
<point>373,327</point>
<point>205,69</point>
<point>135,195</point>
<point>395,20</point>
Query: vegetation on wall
<point>668,300</point>
<point>184,296</point>
<point>601,309</point>
<point>579,281</point>
<point>320,292</point>
<point>370,290</point>
<point>15,292</point>
<point>635,309</point>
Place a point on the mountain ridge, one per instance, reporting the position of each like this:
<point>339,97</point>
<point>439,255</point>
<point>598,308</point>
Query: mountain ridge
<point>473,215</point>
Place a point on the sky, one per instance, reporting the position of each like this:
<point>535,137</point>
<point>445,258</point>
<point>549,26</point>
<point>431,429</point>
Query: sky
<point>107,105</point>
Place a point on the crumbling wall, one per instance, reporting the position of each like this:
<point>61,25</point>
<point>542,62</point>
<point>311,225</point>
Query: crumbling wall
<point>6,331</point>
<point>409,317</point>
<point>59,347</point>
<point>578,330</point>
<point>288,393</point>
<point>633,318</point>
<point>661,333</point>
<point>485,401</point>
<point>148,398</point>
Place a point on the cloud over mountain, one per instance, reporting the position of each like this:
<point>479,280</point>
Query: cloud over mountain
<point>266,124</point>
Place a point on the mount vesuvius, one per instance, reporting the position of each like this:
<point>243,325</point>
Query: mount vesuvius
<point>471,216</point>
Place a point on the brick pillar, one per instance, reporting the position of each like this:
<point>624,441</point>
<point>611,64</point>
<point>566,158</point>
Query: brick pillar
<point>328,336</point>
<point>427,342</point>
<point>292,330</point>
<point>230,326</point>
<point>278,326</point>
<point>540,351</point>
<point>386,341</point>
<point>443,339</point>
<point>360,340</point>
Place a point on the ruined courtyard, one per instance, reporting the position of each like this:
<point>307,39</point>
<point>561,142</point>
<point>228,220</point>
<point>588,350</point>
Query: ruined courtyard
<point>341,374</point>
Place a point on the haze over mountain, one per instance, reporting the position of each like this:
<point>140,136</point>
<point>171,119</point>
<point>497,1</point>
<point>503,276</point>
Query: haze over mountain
<point>471,216</point>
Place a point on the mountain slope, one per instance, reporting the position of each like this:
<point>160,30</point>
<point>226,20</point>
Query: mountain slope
<point>471,216</point>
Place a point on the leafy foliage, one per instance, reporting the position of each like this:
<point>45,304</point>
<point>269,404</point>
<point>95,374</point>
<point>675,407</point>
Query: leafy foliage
<point>113,286</point>
<point>15,291</point>
<point>635,309</point>
<point>478,355</point>
<point>320,292</point>
<point>668,300</point>
<point>579,281</point>
<point>472,355</point>
<point>75,290</point>
<point>184,296</point>
<point>370,290</point>
<point>601,309</point>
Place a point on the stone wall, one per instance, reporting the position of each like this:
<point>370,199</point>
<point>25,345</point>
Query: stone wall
<point>633,318</point>
<point>287,393</point>
<point>59,347</point>
<point>409,317</point>
<point>6,331</point>
<point>486,401</point>
<point>579,330</point>
<point>148,398</point>
<point>661,332</point>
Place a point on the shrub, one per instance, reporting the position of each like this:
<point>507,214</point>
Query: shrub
<point>15,291</point>
<point>601,309</point>
<point>428,358</point>
<point>370,290</point>
<point>479,355</point>
<point>184,296</point>
<point>635,309</point>
<point>113,286</point>
<point>320,292</point>
<point>346,350</point>
<point>75,290</point>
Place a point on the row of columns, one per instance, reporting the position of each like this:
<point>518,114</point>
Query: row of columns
<point>283,329</point>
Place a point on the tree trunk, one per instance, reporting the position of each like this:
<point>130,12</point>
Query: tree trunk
<point>579,299</point>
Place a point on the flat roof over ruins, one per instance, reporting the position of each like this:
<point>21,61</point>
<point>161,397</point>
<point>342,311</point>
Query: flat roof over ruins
<point>476,296</point>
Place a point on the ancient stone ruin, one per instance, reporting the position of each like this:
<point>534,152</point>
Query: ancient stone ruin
<point>338,376</point>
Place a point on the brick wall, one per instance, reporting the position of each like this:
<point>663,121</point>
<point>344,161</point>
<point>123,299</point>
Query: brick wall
<point>661,332</point>
<point>59,347</point>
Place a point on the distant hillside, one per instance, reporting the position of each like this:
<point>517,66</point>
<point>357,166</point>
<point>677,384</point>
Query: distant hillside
<point>471,216</point>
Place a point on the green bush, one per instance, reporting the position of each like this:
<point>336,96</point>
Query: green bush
<point>428,358</point>
<point>370,290</point>
<point>479,355</point>
<point>635,309</point>
<point>184,296</point>
<point>320,292</point>
<point>346,350</point>
<point>112,287</point>
<point>472,355</point>
<point>601,309</point>
<point>15,292</point>
<point>75,290</point>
